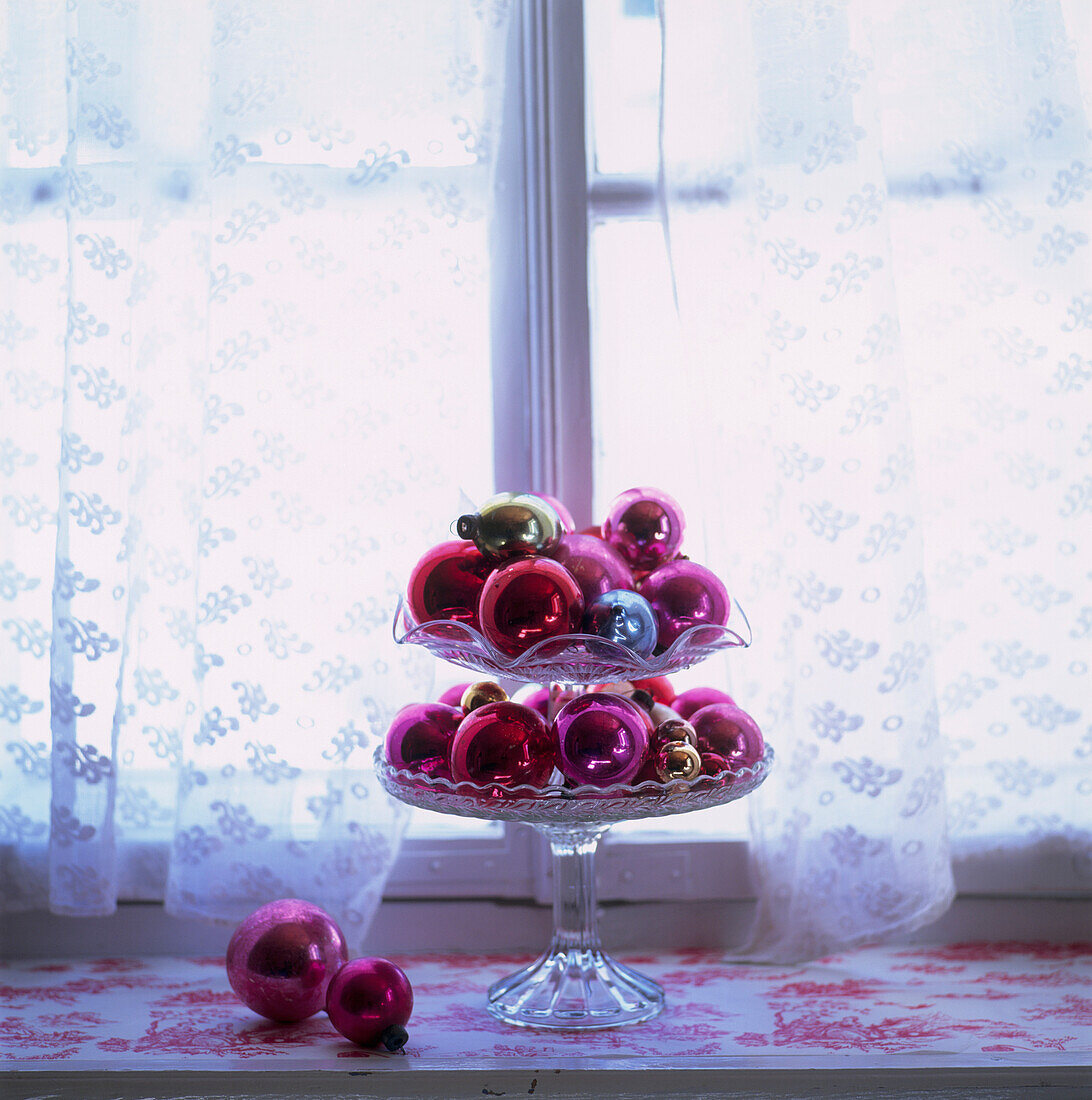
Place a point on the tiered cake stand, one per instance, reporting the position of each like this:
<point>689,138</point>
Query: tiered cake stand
<point>575,984</point>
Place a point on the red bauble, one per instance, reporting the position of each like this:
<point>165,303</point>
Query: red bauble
<point>729,732</point>
<point>595,531</point>
<point>282,958</point>
<point>370,1002</point>
<point>447,584</point>
<point>419,739</point>
<point>660,688</point>
<point>527,602</point>
<point>503,745</point>
<point>689,702</point>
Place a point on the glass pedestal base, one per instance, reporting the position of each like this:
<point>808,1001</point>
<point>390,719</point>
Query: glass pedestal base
<point>575,989</point>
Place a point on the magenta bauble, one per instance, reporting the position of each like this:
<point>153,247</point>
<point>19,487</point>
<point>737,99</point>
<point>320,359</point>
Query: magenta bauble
<point>566,517</point>
<point>731,733</point>
<point>684,594</point>
<point>447,584</point>
<point>419,738</point>
<point>370,1001</point>
<point>645,526</point>
<point>503,745</point>
<point>282,957</point>
<point>688,702</point>
<point>602,739</point>
<point>539,699</point>
<point>453,696</point>
<point>529,601</point>
<point>596,565</point>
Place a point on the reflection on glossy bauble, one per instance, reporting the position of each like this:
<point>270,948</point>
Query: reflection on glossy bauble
<point>645,526</point>
<point>512,525</point>
<point>282,957</point>
<point>689,702</point>
<point>370,1002</point>
<point>419,738</point>
<point>677,760</point>
<point>684,594</point>
<point>568,524</point>
<point>730,732</point>
<point>602,739</point>
<point>479,694</point>
<point>447,584</point>
<point>453,696</point>
<point>623,617</point>
<point>503,745</point>
<point>675,729</point>
<point>712,763</point>
<point>659,687</point>
<point>597,566</point>
<point>529,601</point>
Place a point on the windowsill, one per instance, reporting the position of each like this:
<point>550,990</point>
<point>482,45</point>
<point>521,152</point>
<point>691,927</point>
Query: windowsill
<point>907,1020</point>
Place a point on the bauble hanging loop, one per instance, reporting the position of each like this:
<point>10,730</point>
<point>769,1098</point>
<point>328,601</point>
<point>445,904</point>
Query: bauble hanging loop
<point>512,525</point>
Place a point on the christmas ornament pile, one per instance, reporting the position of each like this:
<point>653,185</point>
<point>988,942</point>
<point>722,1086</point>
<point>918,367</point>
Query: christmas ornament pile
<point>626,733</point>
<point>520,574</point>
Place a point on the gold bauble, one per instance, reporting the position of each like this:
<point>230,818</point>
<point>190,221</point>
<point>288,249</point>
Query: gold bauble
<point>511,525</point>
<point>481,693</point>
<point>676,729</point>
<point>677,760</point>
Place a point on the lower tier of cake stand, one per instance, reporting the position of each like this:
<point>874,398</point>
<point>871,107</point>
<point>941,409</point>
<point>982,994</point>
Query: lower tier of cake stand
<point>575,984</point>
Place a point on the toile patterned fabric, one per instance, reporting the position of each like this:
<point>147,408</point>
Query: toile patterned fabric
<point>879,223</point>
<point>974,1004</point>
<point>244,327</point>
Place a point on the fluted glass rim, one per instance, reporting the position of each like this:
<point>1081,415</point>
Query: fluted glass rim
<point>569,658</point>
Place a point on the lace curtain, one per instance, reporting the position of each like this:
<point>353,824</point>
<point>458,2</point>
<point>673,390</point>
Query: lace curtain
<point>879,220</point>
<point>244,329</point>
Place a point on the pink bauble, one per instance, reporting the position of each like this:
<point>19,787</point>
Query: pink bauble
<point>602,738</point>
<point>684,594</point>
<point>503,745</point>
<point>693,700</point>
<point>447,584</point>
<point>529,601</point>
<point>453,697</point>
<point>597,566</point>
<point>419,739</point>
<point>539,699</point>
<point>370,1002</point>
<point>731,733</point>
<point>282,957</point>
<point>564,514</point>
<point>645,526</point>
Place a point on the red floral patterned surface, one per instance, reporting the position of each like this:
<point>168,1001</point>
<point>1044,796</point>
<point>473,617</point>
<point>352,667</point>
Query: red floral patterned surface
<point>979,1001</point>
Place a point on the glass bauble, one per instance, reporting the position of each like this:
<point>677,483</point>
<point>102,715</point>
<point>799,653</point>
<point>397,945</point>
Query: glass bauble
<point>503,745</point>
<point>645,526</point>
<point>596,565</point>
<point>281,959</point>
<point>370,1002</point>
<point>419,738</point>
<point>687,703</point>
<point>602,739</point>
<point>684,594</point>
<point>512,525</point>
<point>624,617</point>
<point>730,732</point>
<point>447,584</point>
<point>528,601</point>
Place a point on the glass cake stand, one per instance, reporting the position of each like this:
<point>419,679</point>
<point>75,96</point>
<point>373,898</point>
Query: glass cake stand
<point>575,984</point>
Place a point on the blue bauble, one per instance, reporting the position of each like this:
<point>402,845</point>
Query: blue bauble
<point>623,617</point>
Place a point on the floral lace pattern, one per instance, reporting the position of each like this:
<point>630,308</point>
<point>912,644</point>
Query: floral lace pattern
<point>267,234</point>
